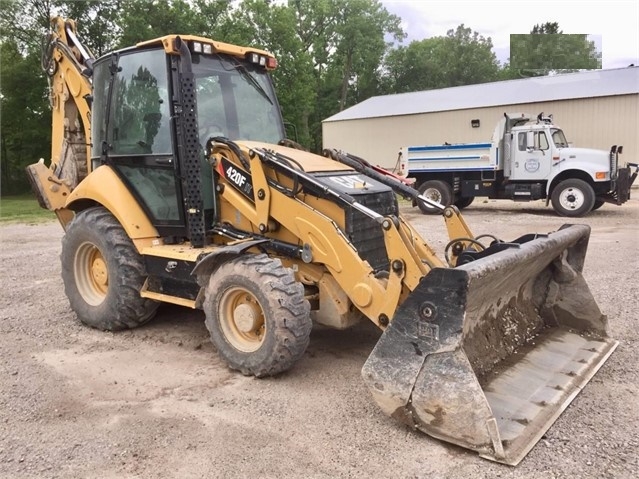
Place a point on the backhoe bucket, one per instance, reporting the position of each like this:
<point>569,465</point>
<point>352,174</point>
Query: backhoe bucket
<point>487,355</point>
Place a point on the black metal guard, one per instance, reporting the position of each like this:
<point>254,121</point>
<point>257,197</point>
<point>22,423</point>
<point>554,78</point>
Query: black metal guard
<point>188,146</point>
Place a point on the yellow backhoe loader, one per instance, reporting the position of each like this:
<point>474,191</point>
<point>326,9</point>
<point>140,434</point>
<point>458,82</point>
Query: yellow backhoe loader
<point>173,181</point>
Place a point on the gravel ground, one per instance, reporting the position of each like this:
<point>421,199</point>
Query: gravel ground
<point>158,402</point>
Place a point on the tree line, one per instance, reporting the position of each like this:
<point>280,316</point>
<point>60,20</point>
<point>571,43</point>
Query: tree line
<point>332,54</point>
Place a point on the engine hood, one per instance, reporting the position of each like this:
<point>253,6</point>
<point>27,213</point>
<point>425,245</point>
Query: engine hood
<point>589,155</point>
<point>311,162</point>
<point>583,152</point>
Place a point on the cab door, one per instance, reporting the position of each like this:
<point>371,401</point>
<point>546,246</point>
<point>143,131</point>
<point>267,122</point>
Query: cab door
<point>532,158</point>
<point>140,138</point>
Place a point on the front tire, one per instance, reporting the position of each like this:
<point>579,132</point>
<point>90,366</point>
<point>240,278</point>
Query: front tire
<point>598,204</point>
<point>464,202</point>
<point>103,273</point>
<point>573,198</point>
<point>435,190</point>
<point>257,315</point>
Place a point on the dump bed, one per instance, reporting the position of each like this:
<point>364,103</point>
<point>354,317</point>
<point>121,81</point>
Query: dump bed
<point>459,156</point>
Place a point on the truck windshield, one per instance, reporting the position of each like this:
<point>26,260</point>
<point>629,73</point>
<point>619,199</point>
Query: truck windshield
<point>235,99</point>
<point>558,138</point>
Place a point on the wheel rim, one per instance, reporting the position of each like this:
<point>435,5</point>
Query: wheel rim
<point>242,320</point>
<point>91,274</point>
<point>433,194</point>
<point>571,198</point>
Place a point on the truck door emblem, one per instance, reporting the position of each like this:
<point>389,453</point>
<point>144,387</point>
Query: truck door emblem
<point>531,165</point>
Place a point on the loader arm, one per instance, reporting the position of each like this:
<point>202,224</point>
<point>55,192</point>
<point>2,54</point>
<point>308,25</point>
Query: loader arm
<point>323,242</point>
<point>67,63</point>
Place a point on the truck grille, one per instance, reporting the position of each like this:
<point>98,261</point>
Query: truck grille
<point>614,163</point>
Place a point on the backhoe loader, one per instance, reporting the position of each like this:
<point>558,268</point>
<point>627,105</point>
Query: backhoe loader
<point>174,183</point>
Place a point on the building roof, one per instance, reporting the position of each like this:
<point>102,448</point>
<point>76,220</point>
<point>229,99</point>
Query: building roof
<point>594,83</point>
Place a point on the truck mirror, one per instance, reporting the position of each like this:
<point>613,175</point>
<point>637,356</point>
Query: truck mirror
<point>530,141</point>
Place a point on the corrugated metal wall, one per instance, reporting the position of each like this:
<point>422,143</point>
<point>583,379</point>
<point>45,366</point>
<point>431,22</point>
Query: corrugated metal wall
<point>588,122</point>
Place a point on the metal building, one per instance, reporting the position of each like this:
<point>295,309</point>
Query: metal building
<point>596,109</point>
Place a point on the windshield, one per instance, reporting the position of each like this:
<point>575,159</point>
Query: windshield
<point>235,99</point>
<point>559,139</point>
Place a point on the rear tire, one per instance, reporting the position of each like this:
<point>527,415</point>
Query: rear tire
<point>257,315</point>
<point>435,190</point>
<point>464,202</point>
<point>103,273</point>
<point>573,198</point>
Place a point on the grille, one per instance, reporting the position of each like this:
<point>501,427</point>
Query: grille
<point>365,233</point>
<point>613,164</point>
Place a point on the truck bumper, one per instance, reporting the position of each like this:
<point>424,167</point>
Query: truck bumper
<point>620,191</point>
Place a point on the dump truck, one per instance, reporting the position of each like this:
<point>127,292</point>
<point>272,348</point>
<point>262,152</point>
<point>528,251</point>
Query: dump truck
<point>527,159</point>
<point>174,183</point>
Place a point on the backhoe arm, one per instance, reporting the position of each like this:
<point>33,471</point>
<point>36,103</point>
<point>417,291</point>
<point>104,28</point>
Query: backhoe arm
<point>68,65</point>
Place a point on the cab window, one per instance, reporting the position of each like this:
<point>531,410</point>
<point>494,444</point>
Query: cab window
<point>541,140</point>
<point>140,117</point>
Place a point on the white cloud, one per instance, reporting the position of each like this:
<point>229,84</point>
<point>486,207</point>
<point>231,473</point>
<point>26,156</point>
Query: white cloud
<point>615,22</point>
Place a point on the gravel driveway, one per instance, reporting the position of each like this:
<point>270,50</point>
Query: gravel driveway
<point>157,402</point>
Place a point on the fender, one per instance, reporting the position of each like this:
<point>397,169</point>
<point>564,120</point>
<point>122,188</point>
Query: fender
<point>104,187</point>
<point>590,168</point>
<point>212,261</point>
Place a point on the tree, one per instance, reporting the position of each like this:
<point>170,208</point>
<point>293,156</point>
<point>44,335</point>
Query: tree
<point>24,123</point>
<point>547,49</point>
<point>346,42</point>
<point>361,28</point>
<point>462,57</point>
<point>142,20</point>
<point>24,21</point>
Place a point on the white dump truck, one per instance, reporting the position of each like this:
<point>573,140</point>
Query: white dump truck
<point>528,159</point>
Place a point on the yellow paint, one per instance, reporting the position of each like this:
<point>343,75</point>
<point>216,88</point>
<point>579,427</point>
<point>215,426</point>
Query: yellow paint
<point>182,252</point>
<point>104,187</point>
<point>168,43</point>
<point>362,295</point>
<point>165,298</point>
<point>322,249</point>
<point>311,161</point>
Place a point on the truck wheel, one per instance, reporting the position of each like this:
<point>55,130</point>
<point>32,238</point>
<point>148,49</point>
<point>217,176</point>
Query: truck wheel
<point>598,204</point>
<point>463,202</point>
<point>103,273</point>
<point>573,197</point>
<point>257,315</point>
<point>435,190</point>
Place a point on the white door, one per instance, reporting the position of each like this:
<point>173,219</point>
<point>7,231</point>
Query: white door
<point>531,162</point>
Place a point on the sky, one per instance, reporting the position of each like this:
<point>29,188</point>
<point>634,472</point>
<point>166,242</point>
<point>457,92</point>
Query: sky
<point>612,24</point>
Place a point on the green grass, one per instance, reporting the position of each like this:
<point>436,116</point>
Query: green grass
<point>23,209</point>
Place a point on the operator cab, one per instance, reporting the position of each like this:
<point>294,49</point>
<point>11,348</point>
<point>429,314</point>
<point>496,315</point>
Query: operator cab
<point>144,126</point>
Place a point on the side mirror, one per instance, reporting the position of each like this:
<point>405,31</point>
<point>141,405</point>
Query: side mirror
<point>530,141</point>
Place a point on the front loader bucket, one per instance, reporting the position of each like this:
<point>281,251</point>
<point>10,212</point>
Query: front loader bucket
<point>487,355</point>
